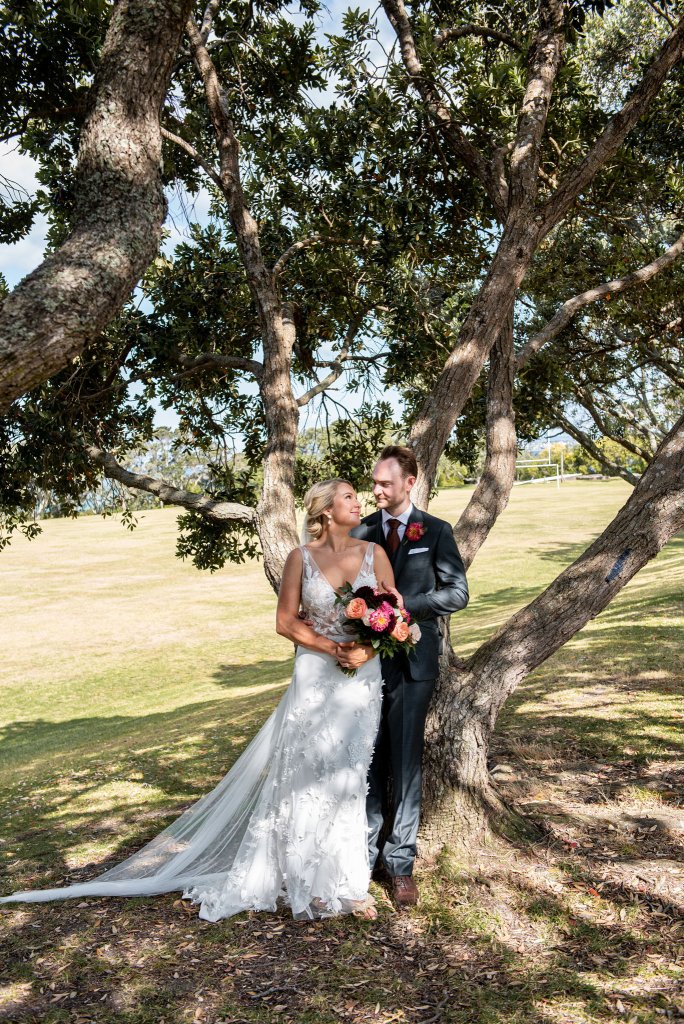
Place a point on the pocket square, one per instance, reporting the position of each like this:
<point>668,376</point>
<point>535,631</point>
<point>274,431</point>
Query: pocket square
<point>417,551</point>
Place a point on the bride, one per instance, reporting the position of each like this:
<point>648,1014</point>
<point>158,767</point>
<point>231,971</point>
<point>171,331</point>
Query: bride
<point>288,820</point>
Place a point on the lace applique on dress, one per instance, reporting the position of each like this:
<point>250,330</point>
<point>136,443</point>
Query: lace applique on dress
<point>319,598</point>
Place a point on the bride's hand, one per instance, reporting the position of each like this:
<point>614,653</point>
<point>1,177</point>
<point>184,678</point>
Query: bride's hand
<point>392,590</point>
<point>353,655</point>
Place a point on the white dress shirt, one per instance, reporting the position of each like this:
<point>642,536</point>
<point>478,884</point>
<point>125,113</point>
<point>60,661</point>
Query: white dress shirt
<point>403,521</point>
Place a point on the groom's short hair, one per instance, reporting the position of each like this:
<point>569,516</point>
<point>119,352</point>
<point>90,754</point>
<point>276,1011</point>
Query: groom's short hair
<point>403,455</point>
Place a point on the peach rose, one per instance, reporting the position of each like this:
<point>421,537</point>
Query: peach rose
<point>357,608</point>
<point>400,632</point>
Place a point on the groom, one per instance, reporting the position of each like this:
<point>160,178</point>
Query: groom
<point>430,576</point>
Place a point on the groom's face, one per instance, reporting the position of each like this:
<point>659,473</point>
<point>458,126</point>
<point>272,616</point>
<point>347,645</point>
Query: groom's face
<point>391,489</point>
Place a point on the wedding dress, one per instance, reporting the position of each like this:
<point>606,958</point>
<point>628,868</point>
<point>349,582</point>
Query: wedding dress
<point>288,820</point>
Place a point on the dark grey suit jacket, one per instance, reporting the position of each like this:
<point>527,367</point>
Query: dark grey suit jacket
<point>430,575</point>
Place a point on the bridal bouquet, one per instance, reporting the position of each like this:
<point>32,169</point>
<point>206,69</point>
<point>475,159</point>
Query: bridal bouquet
<point>375,618</point>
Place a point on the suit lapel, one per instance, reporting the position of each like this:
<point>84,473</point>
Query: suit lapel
<point>379,532</point>
<point>402,552</point>
<point>373,524</point>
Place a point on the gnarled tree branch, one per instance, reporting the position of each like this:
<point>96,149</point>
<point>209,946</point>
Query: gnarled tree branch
<point>337,365</point>
<point>210,508</point>
<point>192,152</point>
<point>652,515</point>
<point>217,361</point>
<point>458,32</point>
<point>62,305</point>
<point>572,306</point>
<point>459,143</point>
<point>545,63</point>
<point>590,446</point>
<point>307,243</point>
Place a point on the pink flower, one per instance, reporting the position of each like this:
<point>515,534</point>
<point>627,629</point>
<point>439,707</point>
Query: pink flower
<point>381,618</point>
<point>414,531</point>
<point>400,632</point>
<point>357,608</point>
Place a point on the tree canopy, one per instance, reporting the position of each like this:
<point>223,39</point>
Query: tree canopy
<point>379,233</point>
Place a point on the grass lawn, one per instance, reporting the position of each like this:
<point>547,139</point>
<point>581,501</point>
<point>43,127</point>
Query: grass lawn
<point>129,684</point>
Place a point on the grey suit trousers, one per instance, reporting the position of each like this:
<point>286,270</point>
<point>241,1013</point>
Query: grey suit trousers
<point>399,747</point>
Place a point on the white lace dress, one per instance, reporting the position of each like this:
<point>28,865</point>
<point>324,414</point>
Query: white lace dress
<point>288,820</point>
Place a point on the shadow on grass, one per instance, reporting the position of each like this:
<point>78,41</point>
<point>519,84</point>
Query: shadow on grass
<point>29,743</point>
<point>497,606</point>
<point>454,961</point>
<point>565,554</point>
<point>258,673</point>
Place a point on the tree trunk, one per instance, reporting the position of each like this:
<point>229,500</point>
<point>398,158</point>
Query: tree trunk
<point>276,522</point>
<point>276,516</point>
<point>492,305</point>
<point>49,318</point>
<point>490,497</point>
<point>469,696</point>
<point>458,798</point>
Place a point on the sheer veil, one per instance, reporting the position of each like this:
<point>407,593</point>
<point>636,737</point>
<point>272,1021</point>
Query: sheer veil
<point>305,537</point>
<point>195,849</point>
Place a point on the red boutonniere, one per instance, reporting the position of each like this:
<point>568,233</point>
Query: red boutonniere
<point>415,531</point>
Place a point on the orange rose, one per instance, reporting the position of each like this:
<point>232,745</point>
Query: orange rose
<point>357,608</point>
<point>400,632</point>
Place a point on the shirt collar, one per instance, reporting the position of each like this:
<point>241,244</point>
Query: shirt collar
<point>403,518</point>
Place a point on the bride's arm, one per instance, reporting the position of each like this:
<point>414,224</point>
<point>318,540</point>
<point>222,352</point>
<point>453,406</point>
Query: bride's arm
<point>288,622</point>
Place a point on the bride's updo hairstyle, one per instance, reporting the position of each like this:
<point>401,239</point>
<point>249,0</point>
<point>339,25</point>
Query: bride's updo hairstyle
<point>316,500</point>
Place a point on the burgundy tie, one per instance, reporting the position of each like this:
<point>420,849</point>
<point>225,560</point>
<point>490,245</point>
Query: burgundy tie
<point>393,535</point>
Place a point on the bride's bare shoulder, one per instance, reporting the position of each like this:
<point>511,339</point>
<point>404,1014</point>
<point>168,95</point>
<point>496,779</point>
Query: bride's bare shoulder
<point>294,560</point>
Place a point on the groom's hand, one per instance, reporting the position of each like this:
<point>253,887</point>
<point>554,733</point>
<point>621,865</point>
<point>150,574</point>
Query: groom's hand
<point>392,590</point>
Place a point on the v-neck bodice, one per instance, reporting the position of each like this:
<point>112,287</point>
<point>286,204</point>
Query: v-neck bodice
<point>319,596</point>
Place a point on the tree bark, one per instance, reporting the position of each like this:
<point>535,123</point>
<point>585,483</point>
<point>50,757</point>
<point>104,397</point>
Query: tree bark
<point>276,517</point>
<point>602,291</point>
<point>492,305</point>
<point>578,179</point>
<point>458,798</point>
<point>494,302</point>
<point>120,208</point>
<point>490,497</point>
<point>457,140</point>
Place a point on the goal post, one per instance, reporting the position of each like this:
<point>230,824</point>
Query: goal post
<point>542,462</point>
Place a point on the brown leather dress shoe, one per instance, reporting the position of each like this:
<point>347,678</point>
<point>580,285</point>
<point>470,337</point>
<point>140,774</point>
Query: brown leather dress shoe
<point>404,891</point>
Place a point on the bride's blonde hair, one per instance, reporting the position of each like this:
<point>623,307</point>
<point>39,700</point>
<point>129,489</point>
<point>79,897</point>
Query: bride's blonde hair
<point>316,500</point>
